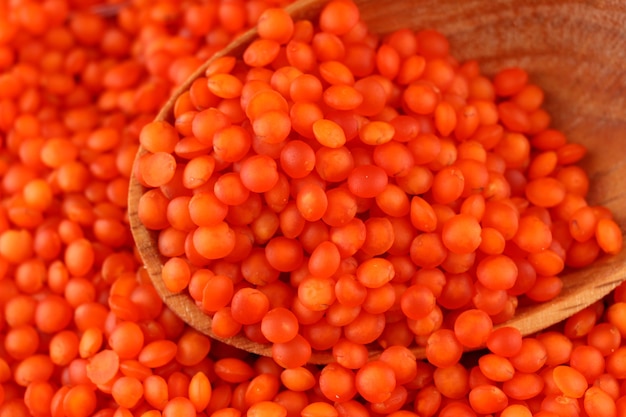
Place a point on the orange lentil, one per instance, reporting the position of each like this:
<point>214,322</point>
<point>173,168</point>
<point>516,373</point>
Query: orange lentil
<point>445,118</point>
<point>157,353</point>
<point>38,367</point>
<point>127,391</point>
<point>376,133</point>
<point>609,236</point>
<point>319,409</point>
<point>496,368</point>
<point>401,359</point>
<point>367,181</point>
<point>79,400</point>
<point>342,97</point>
<point>375,381</point>
<point>155,391</point>
<point>263,101</point>
<point>293,353</point>
<point>338,18</point>
<point>598,403</point>
<point>306,88</point>
<point>333,165</point>
<point>335,72</point>
<point>328,133</point>
<point>53,313</point>
<point>461,234</point>
<point>200,391</point>
<point>417,301</point>
<point>497,272</point>
<point>16,245</point>
<point>261,52</point>
<point>613,312</point>
<point>605,337</point>
<point>258,173</point>
<point>176,274</point>
<point>205,240</point>
<point>558,347</point>
<point>312,202</point>
<point>442,348</point>
<point>90,342</point>
<point>328,46</point>
<point>375,91</point>
<point>272,126</point>
<point>574,178</point>
<point>531,357</point>
<point>571,382</point>
<point>178,406</point>
<point>421,97</point>
<point>158,168</point>
<point>473,327</point>
<point>448,185</point>
<point>571,153</point>
<point>275,24</point>
<point>505,341</point>
<point>510,81</point>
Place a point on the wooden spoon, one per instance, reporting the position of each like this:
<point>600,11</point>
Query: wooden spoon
<point>574,50</point>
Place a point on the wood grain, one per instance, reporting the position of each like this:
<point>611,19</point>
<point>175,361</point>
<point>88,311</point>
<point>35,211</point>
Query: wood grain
<point>574,50</point>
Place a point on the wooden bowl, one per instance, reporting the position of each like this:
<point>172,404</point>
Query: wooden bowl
<point>574,50</point>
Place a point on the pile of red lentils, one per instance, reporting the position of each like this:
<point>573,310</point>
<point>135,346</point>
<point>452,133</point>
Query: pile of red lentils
<point>333,189</point>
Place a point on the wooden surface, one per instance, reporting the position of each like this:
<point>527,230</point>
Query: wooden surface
<point>574,50</point>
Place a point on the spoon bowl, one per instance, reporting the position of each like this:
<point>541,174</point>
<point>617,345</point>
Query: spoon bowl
<point>575,51</point>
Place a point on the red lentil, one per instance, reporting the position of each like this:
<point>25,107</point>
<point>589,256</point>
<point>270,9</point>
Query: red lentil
<point>365,154</point>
